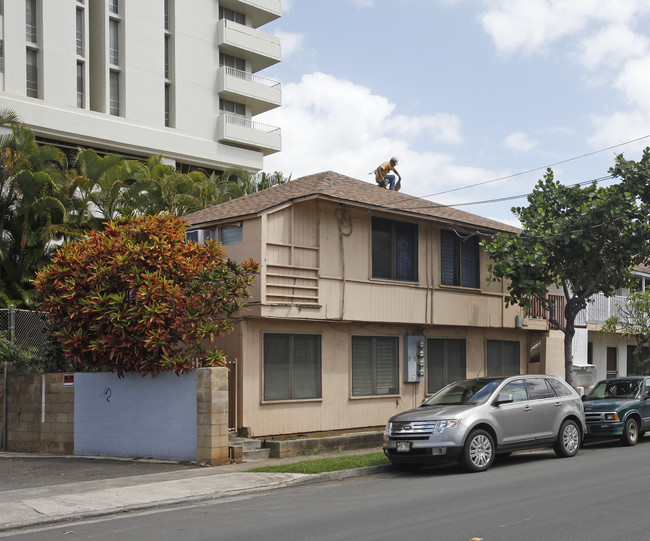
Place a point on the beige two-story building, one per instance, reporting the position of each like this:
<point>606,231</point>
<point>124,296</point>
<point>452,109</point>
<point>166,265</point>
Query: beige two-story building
<point>367,301</point>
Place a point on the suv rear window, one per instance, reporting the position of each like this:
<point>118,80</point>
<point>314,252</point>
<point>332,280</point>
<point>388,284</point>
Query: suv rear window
<point>560,387</point>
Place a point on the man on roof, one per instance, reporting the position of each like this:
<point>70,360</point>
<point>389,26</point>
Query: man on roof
<point>384,177</point>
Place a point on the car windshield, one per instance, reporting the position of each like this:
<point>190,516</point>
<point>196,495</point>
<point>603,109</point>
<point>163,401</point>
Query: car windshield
<point>622,388</point>
<point>472,391</point>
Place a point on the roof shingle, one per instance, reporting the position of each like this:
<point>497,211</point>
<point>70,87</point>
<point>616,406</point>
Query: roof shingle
<point>333,186</point>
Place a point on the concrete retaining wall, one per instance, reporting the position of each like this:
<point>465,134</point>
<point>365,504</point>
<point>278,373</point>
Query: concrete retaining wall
<point>347,442</point>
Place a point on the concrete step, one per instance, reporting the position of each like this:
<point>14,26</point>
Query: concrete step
<point>254,455</point>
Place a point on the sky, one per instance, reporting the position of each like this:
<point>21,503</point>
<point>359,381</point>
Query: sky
<point>476,98</point>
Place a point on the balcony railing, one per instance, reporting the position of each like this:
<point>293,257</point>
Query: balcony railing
<point>244,122</point>
<point>252,78</point>
<point>599,309</point>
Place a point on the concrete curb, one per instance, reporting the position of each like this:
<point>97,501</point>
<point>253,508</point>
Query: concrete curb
<point>295,480</point>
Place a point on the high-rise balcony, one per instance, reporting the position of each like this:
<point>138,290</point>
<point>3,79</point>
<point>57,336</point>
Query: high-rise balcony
<point>260,49</point>
<point>258,93</point>
<point>243,132</point>
<point>258,12</point>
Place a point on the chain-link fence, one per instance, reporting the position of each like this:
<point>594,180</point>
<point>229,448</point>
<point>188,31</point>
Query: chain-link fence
<point>24,341</point>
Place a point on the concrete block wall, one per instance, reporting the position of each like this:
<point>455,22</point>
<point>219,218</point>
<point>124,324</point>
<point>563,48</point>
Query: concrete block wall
<point>167,417</point>
<point>40,414</point>
<point>212,415</point>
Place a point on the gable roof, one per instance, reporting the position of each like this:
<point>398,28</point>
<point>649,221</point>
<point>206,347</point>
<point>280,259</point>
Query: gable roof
<point>335,187</point>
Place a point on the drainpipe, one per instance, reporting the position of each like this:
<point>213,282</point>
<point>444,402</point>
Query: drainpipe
<point>4,380</point>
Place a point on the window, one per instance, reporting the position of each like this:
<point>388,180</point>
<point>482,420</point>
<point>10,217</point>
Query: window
<point>445,362</point>
<point>502,358</point>
<point>114,42</point>
<point>231,15</point>
<point>516,389</point>
<point>375,366</point>
<point>394,250</point>
<point>166,11</point>
<point>80,32</point>
<point>32,73</point>
<point>230,234</point>
<point>235,108</point>
<point>459,260</point>
<point>2,56</point>
<point>114,6</point>
<point>232,62</point>
<point>168,105</point>
<point>292,366</point>
<point>31,19</point>
<point>114,99</point>
<point>560,388</point>
<point>538,389</point>
<point>81,84</point>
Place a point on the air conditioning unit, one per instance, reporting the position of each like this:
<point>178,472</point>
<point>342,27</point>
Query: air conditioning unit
<point>200,235</point>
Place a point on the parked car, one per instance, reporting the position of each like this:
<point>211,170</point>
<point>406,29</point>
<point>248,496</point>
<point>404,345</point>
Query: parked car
<point>619,407</point>
<point>474,420</point>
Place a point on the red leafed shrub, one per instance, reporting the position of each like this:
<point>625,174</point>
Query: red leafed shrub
<point>137,297</point>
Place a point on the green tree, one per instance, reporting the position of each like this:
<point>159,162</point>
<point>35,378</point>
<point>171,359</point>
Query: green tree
<point>632,320</point>
<point>137,297</point>
<point>33,215</point>
<point>582,240</point>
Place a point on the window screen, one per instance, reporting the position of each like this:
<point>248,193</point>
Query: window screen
<point>394,250</point>
<point>445,362</point>
<point>292,366</point>
<point>459,260</point>
<point>502,358</point>
<point>375,366</point>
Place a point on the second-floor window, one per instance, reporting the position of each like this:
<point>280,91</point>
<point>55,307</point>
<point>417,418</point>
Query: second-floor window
<point>459,260</point>
<point>394,250</point>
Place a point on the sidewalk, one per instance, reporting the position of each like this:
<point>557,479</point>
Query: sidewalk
<point>106,494</point>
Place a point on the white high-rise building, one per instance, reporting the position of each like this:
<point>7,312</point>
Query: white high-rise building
<point>178,78</point>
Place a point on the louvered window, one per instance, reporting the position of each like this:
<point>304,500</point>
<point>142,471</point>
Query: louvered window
<point>114,42</point>
<point>80,32</point>
<point>375,366</point>
<point>292,366</point>
<point>459,261</point>
<point>114,6</point>
<point>115,93</point>
<point>81,85</point>
<point>503,358</point>
<point>32,73</point>
<point>394,250</point>
<point>31,19</point>
<point>2,56</point>
<point>446,362</point>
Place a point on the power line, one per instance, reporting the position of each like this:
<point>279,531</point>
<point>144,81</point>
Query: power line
<point>538,168</point>
<point>500,199</point>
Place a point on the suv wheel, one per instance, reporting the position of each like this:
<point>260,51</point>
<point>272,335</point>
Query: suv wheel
<point>568,439</point>
<point>479,451</point>
<point>630,432</point>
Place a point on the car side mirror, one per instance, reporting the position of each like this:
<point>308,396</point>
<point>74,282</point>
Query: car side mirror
<point>504,398</point>
<point>583,397</point>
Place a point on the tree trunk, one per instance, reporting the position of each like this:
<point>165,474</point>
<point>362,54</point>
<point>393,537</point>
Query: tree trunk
<point>568,352</point>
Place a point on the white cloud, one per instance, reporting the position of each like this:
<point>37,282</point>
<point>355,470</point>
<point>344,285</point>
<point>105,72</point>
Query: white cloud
<point>291,42</point>
<point>333,124</point>
<point>520,142</point>
<point>611,46</point>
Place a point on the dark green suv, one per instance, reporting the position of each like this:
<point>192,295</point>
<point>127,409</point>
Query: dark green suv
<point>619,407</point>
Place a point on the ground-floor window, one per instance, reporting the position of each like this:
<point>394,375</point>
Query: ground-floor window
<point>292,366</point>
<point>503,358</point>
<point>375,365</point>
<point>445,362</point>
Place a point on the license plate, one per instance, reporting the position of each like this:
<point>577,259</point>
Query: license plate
<point>403,446</point>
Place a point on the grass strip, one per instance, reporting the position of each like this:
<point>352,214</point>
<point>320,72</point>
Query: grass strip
<point>322,465</point>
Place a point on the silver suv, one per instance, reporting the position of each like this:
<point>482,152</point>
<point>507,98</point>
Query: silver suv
<point>474,420</point>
